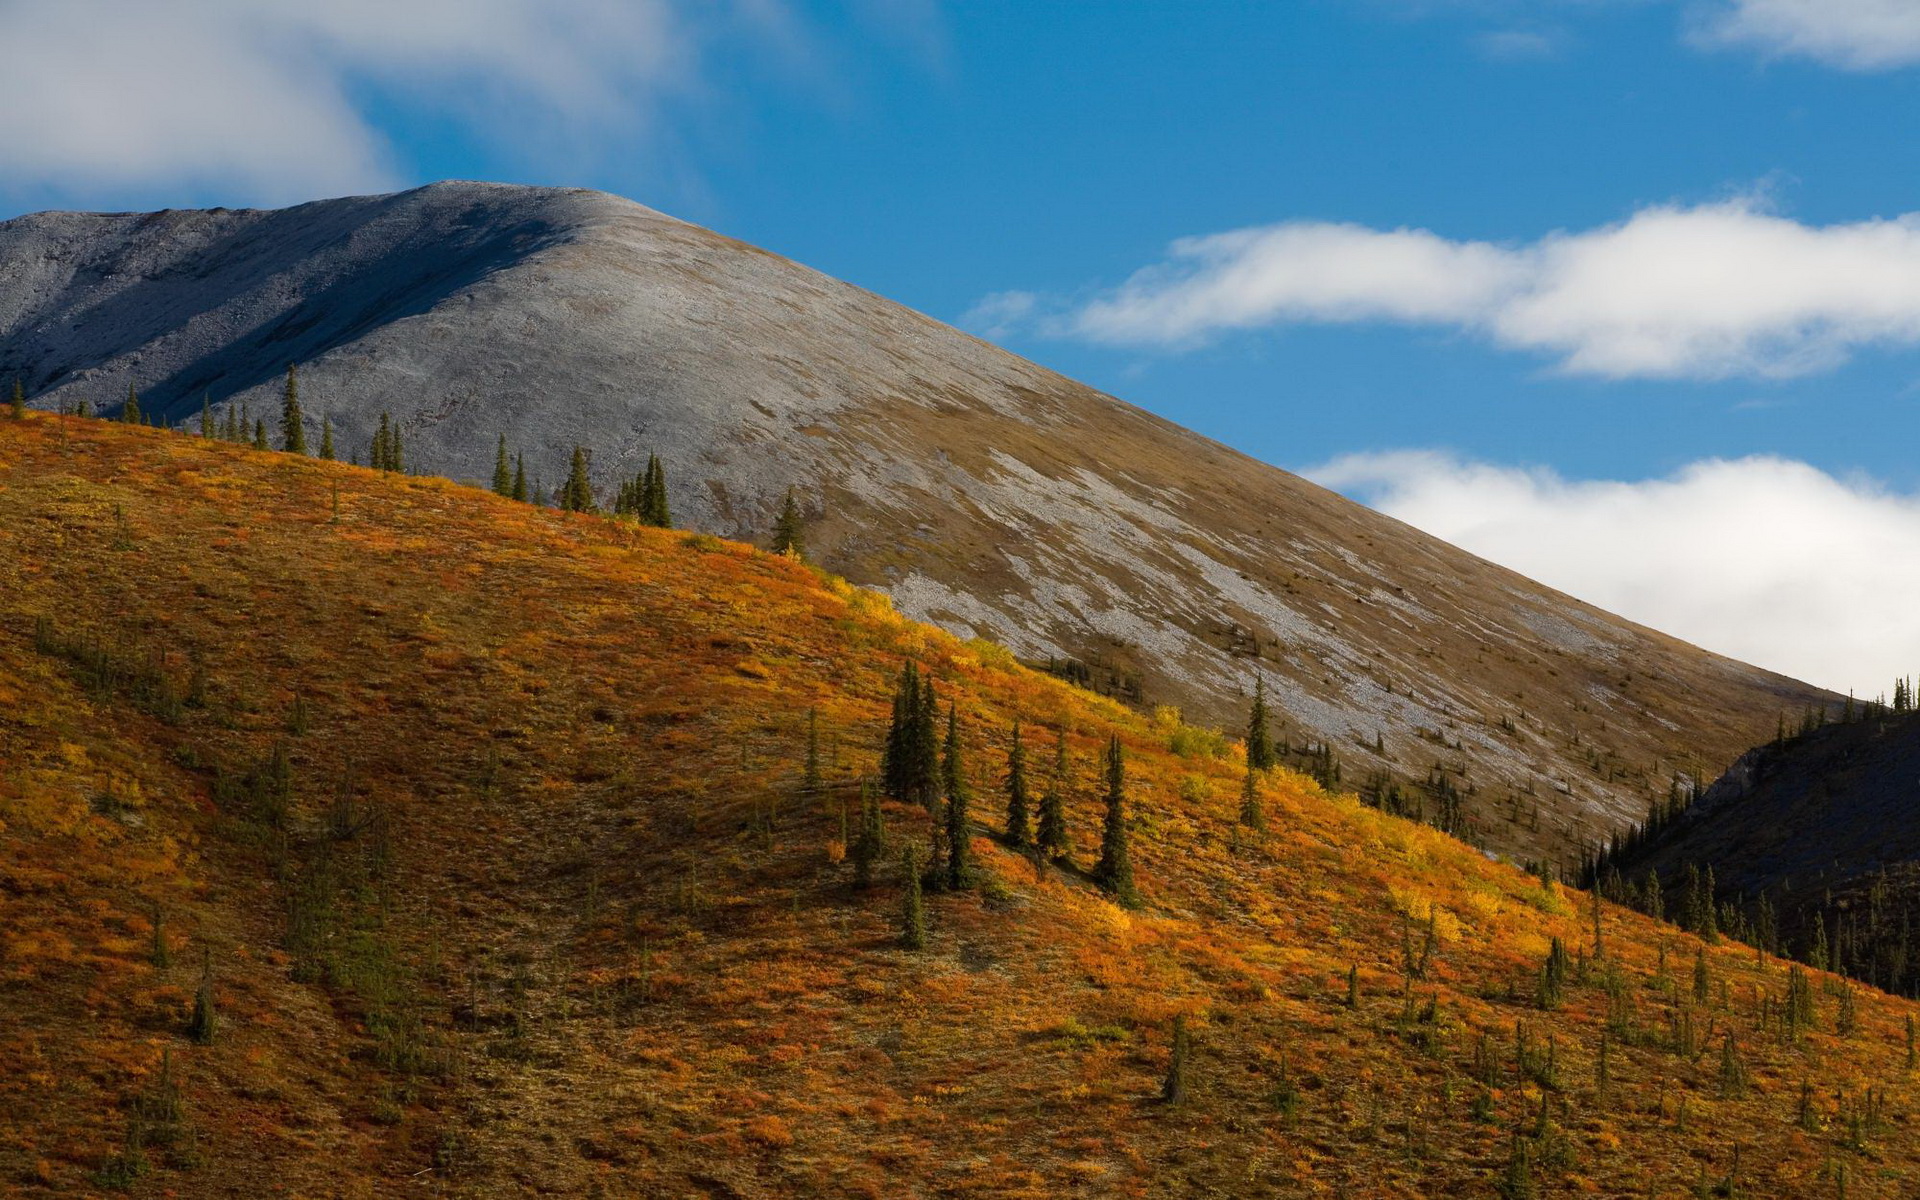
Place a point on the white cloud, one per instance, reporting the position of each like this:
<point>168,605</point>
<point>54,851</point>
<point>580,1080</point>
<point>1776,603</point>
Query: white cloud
<point>270,98</point>
<point>1518,45</point>
<point>1856,35</point>
<point>1711,291</point>
<point>1763,559</point>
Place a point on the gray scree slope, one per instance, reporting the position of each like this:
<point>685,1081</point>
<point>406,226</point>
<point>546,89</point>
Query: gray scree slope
<point>987,494</point>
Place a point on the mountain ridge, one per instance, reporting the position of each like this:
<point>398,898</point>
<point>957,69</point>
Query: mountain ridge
<point>983,492</point>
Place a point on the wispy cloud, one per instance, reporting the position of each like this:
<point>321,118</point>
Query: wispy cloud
<point>1855,35</point>
<point>269,99</point>
<point>1711,291</point>
<point>1764,559</point>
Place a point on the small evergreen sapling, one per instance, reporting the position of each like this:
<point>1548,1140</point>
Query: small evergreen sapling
<point>1173,1090</point>
<point>870,841</point>
<point>502,470</point>
<point>1114,871</point>
<point>913,910</point>
<point>959,837</point>
<point>790,531</point>
<point>1019,835</point>
<point>1260,755</point>
<point>200,1027</point>
<point>293,432</point>
<point>1052,836</point>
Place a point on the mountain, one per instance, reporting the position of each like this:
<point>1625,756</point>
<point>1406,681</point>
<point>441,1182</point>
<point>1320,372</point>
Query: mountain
<point>365,835</point>
<point>983,493</point>
<point>1813,845</point>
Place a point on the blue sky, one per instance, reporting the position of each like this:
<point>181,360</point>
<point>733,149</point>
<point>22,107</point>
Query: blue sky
<point>1507,255</point>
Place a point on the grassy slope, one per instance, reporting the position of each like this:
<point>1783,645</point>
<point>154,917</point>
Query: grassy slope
<point>639,964</point>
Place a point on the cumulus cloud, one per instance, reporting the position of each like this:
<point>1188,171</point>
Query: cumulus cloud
<point>1857,35</point>
<point>271,97</point>
<point>1710,291</point>
<point>1763,559</point>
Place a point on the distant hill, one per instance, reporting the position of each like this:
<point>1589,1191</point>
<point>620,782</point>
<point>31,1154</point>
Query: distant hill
<point>1820,827</point>
<point>984,493</point>
<point>364,835</point>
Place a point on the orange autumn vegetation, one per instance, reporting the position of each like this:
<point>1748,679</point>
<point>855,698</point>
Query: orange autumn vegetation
<point>541,907</point>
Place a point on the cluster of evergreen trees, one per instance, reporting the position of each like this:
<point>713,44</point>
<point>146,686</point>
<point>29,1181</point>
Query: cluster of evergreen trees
<point>644,497</point>
<point>923,763</point>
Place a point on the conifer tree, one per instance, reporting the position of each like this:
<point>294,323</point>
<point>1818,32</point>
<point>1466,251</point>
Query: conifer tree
<point>326,437</point>
<point>1114,871</point>
<point>923,769</point>
<point>397,451</point>
<point>201,1026</point>
<point>1052,837</point>
<point>19,402</point>
<point>502,470</point>
<point>293,430</point>
<point>900,730</point>
<point>1173,1090</point>
<point>1260,756</point>
<point>380,453</point>
<point>1253,814</point>
<point>789,532</point>
<point>1019,834</point>
<point>206,417</point>
<point>959,836</point>
<point>913,912</point>
<point>576,495</point>
<point>230,429</point>
<point>260,435</point>
<point>654,509</point>
<point>870,842</point>
<point>130,411</point>
<point>811,787</point>
<point>520,477</point>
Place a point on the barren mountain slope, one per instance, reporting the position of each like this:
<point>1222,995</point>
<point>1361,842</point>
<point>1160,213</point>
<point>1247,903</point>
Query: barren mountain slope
<point>484,831</point>
<point>985,493</point>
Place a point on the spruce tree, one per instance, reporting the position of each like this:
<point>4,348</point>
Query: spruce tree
<point>260,435</point>
<point>502,470</point>
<point>1052,837</point>
<point>789,532</point>
<point>811,786</point>
<point>959,836</point>
<point>894,759</point>
<point>1260,756</point>
<point>19,402</point>
<point>1252,813</point>
<point>654,509</point>
<point>1114,871</point>
<point>206,417</point>
<point>130,411</point>
<point>293,430</point>
<point>230,429</point>
<point>326,437</point>
<point>1019,834</point>
<point>201,1026</point>
<point>1173,1091</point>
<point>577,494</point>
<point>520,477</point>
<point>913,911</point>
<point>870,842</point>
<point>379,454</point>
<point>397,452</point>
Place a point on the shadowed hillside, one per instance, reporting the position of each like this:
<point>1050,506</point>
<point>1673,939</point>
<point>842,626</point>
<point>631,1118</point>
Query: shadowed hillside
<point>984,493</point>
<point>1813,845</point>
<point>371,835</point>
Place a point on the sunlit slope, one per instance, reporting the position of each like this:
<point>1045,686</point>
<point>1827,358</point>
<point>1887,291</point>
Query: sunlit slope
<point>530,899</point>
<point>983,492</point>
